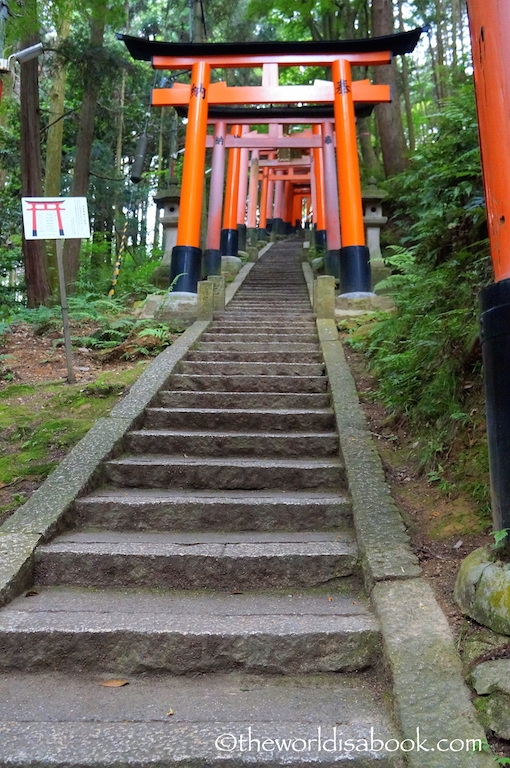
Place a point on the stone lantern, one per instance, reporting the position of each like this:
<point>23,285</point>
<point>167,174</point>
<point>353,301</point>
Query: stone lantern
<point>168,201</point>
<point>372,198</point>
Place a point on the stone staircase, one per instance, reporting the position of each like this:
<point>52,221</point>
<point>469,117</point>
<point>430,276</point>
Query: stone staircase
<point>215,571</point>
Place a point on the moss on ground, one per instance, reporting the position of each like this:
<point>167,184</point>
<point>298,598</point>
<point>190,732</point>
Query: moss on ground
<point>39,423</point>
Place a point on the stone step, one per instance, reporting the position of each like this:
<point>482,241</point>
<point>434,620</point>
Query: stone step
<point>275,384</point>
<point>267,304</point>
<point>217,443</point>
<point>123,632</point>
<point>261,368</point>
<point>223,322</point>
<point>204,355</point>
<point>265,400</point>
<point>295,348</point>
<point>65,719</point>
<point>240,419</point>
<point>279,319</point>
<point>161,471</point>
<point>195,510</point>
<point>256,337</point>
<point>222,561</point>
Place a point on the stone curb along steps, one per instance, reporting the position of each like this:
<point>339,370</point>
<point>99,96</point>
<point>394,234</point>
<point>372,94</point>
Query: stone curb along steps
<point>215,543</point>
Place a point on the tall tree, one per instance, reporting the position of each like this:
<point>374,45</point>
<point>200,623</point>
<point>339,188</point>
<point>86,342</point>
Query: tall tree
<point>34,254</point>
<point>389,116</point>
<point>54,137</point>
<point>85,137</point>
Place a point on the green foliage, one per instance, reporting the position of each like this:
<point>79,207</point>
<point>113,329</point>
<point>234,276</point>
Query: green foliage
<point>437,204</point>
<point>426,356</point>
<point>500,538</point>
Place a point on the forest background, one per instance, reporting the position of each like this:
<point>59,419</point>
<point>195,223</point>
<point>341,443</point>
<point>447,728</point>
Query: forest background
<point>70,122</point>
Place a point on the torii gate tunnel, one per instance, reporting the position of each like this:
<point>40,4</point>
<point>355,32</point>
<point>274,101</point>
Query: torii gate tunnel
<point>341,94</point>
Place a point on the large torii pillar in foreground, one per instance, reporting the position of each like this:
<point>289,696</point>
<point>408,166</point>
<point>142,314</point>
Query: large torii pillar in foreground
<point>202,57</point>
<point>490,30</point>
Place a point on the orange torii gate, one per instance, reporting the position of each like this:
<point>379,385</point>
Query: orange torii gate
<point>489,22</point>
<point>341,92</point>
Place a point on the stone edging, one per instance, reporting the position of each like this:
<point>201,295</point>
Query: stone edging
<point>428,687</point>
<point>48,510</point>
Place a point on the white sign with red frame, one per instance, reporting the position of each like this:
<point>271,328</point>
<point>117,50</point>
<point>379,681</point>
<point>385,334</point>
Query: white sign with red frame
<point>55,218</point>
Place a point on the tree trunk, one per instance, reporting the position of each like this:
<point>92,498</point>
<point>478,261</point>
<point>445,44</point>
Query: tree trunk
<point>370,161</point>
<point>405,87</point>
<point>34,254</point>
<point>80,182</point>
<point>441,71</point>
<point>53,165</point>
<point>389,116</point>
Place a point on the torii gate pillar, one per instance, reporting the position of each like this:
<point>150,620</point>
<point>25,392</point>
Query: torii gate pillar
<point>186,262</point>
<point>212,255</point>
<point>354,254</point>
<point>490,30</point>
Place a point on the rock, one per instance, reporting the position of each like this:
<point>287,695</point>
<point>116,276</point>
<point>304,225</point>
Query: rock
<point>178,304</point>
<point>365,301</point>
<point>152,304</point>
<point>491,676</point>
<point>230,265</point>
<point>494,713</point>
<point>482,589</point>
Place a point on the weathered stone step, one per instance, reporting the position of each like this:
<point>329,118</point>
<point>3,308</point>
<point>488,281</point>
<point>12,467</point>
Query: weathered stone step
<point>276,314</point>
<point>161,471</point>
<point>278,318</point>
<point>68,719</point>
<point>256,337</point>
<point>240,419</point>
<point>251,305</point>
<point>192,510</point>
<point>222,561</point>
<point>258,369</point>
<point>294,347</point>
<point>275,384</point>
<point>216,443</point>
<point>205,355</point>
<point>265,400</point>
<point>118,632</point>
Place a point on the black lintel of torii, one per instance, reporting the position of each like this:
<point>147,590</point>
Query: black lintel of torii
<point>398,44</point>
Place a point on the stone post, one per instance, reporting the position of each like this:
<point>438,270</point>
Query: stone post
<point>324,297</point>
<point>205,295</point>
<point>218,283</point>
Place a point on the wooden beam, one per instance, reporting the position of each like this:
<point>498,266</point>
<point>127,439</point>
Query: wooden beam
<point>284,60</point>
<point>219,93</point>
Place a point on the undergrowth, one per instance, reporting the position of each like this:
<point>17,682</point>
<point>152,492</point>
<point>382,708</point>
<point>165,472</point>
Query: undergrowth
<point>427,356</point>
<point>107,324</point>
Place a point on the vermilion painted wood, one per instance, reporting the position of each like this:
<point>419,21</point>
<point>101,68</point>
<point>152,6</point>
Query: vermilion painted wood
<point>295,178</point>
<point>253,190</point>
<point>296,162</point>
<point>279,192</point>
<point>232,185</point>
<point>490,29</point>
<point>288,203</point>
<point>331,188</point>
<point>268,142</point>
<point>349,186</point>
<point>320,218</point>
<point>188,229</point>
<point>243,180</point>
<point>220,93</point>
<point>216,188</point>
<point>264,190</point>
<point>284,60</point>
